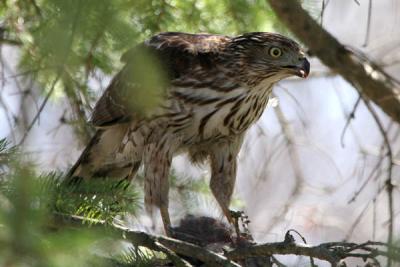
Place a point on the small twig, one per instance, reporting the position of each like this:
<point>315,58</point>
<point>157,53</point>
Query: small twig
<point>356,222</point>
<point>176,260</point>
<point>305,242</point>
<point>297,102</point>
<point>46,99</point>
<point>364,184</point>
<point>373,218</point>
<point>294,160</point>
<point>368,23</point>
<point>323,8</point>
<point>351,116</point>
<point>388,183</point>
<point>277,262</point>
<point>59,72</point>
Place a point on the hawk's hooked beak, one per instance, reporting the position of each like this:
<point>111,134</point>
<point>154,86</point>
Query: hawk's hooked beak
<point>302,69</point>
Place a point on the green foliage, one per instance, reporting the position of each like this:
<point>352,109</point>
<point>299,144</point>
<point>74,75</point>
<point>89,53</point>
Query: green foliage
<point>146,75</point>
<point>66,45</point>
<point>31,233</point>
<point>24,239</point>
<point>102,199</point>
<point>77,37</point>
<point>37,227</point>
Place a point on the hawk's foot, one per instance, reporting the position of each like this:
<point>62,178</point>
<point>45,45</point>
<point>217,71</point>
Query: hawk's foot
<point>241,222</point>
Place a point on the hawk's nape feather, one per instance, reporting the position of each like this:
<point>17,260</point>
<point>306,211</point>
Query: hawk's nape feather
<point>177,54</point>
<point>193,93</point>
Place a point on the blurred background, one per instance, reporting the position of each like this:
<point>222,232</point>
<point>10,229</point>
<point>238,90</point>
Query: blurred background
<point>315,162</point>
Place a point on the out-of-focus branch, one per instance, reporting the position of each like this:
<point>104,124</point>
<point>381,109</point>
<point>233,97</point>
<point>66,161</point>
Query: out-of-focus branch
<point>294,162</point>
<point>4,38</point>
<point>359,71</point>
<point>388,183</point>
<point>36,7</point>
<point>348,121</point>
<point>42,106</point>
<point>13,42</point>
<point>82,128</point>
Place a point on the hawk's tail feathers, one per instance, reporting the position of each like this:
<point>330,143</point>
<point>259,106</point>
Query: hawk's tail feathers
<point>75,171</point>
<point>94,159</point>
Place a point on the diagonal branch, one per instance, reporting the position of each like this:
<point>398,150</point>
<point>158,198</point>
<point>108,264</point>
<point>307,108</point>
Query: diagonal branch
<point>355,68</point>
<point>153,242</point>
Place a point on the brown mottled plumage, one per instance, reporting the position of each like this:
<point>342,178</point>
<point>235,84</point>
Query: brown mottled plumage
<point>215,87</point>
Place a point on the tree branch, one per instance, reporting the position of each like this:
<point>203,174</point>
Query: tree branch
<point>355,68</point>
<point>152,242</point>
<point>333,252</point>
<point>284,248</point>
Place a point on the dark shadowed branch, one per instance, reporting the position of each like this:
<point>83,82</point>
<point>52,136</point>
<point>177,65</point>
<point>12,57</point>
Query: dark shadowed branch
<point>333,252</point>
<point>153,242</point>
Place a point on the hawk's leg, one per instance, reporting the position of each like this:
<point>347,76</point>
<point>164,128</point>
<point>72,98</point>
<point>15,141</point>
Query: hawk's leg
<point>157,162</point>
<point>223,176</point>
<point>241,219</point>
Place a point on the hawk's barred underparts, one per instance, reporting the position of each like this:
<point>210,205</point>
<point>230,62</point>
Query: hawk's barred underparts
<point>215,88</point>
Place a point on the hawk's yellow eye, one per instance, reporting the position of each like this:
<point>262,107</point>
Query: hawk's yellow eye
<point>275,52</point>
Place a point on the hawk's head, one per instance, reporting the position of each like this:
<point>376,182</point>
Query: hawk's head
<point>261,55</point>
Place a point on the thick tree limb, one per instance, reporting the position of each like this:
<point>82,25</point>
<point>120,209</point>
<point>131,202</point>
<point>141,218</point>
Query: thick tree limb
<point>284,248</point>
<point>151,241</point>
<point>363,74</point>
<point>178,246</point>
<point>333,252</point>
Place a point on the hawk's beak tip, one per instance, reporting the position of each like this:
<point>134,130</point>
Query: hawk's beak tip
<point>304,70</point>
<point>303,74</point>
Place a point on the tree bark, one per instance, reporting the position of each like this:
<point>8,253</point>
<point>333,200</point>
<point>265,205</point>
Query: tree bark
<point>363,74</point>
<point>333,252</point>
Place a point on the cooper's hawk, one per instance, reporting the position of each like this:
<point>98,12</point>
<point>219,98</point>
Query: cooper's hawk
<point>215,88</point>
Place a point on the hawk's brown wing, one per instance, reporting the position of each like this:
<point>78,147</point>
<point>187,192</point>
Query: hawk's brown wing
<point>177,56</point>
